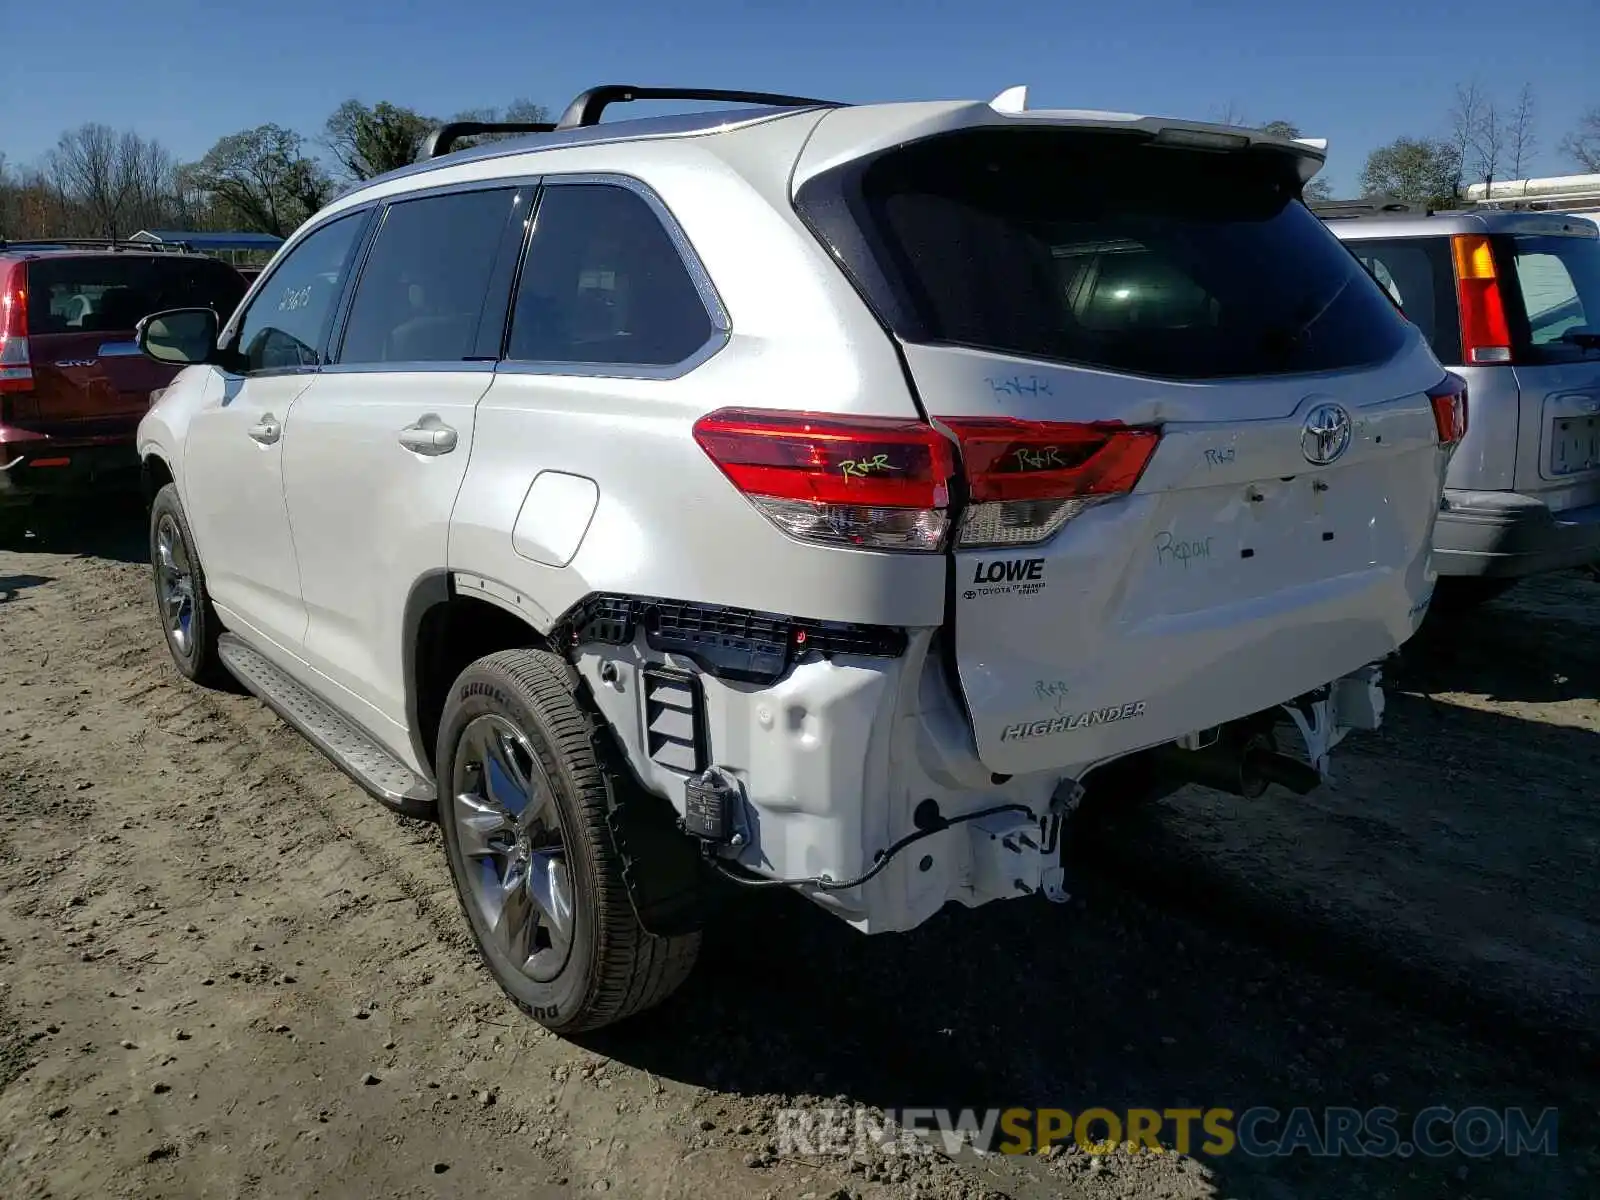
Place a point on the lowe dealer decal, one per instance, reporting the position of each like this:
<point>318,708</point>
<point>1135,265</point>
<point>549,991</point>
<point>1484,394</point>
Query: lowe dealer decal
<point>1098,716</point>
<point>1007,577</point>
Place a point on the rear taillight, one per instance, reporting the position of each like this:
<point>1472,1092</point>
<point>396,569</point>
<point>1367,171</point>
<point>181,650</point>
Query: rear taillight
<point>16,367</point>
<point>883,483</point>
<point>1449,400</point>
<point>1028,478</point>
<point>1485,334</point>
<point>880,483</point>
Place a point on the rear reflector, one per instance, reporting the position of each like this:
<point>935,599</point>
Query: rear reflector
<point>874,482</point>
<point>16,366</point>
<point>1449,400</point>
<point>50,462</point>
<point>1028,478</point>
<point>1485,334</point>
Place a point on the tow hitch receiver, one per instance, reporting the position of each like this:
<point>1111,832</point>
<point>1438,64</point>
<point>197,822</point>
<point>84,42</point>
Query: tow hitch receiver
<point>1014,854</point>
<point>1354,701</point>
<point>1242,757</point>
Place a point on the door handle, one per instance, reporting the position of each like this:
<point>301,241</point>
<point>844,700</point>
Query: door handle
<point>429,436</point>
<point>267,430</point>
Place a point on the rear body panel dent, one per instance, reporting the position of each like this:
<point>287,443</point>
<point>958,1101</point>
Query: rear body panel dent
<point>1235,576</point>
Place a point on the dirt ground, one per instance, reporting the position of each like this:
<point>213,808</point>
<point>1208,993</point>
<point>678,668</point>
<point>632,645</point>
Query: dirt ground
<point>226,973</point>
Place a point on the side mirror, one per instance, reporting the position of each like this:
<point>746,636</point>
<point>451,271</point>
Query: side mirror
<point>181,336</point>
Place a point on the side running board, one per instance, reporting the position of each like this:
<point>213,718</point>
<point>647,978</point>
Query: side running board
<point>350,748</point>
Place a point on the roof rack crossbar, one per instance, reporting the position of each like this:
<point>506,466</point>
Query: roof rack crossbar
<point>587,107</point>
<point>443,139</point>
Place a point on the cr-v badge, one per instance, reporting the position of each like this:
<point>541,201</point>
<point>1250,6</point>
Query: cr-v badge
<point>1326,434</point>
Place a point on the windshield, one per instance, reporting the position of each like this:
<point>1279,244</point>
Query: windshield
<point>1558,279</point>
<point>1108,252</point>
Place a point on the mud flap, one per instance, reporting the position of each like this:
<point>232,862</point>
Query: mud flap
<point>662,868</point>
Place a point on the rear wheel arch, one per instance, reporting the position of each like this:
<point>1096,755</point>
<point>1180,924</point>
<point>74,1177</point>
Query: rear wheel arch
<point>444,632</point>
<point>447,632</point>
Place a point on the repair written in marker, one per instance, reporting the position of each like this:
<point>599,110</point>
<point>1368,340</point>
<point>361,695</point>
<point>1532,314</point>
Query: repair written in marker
<point>1098,716</point>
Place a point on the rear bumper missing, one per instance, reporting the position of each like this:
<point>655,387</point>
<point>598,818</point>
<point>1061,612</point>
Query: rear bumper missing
<point>856,781</point>
<point>1509,535</point>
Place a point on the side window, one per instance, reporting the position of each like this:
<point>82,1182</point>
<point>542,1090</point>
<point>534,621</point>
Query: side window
<point>423,286</point>
<point>1549,295</point>
<point>1382,275</point>
<point>1418,275</point>
<point>604,284</point>
<point>284,324</point>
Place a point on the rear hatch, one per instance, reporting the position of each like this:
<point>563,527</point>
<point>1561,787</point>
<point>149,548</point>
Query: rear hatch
<point>1553,312</point>
<point>89,379</point>
<point>1203,461</point>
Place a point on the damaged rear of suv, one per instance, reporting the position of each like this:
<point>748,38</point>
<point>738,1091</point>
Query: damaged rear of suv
<point>1181,460</point>
<point>832,498</point>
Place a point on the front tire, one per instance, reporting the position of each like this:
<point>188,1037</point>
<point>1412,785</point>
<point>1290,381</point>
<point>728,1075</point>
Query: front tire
<point>525,787</point>
<point>188,620</point>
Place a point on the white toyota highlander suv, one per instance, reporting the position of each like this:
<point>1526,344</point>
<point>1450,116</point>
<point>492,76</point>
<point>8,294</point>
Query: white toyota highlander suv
<point>801,495</point>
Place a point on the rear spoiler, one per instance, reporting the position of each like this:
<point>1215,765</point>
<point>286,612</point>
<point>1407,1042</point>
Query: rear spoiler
<point>1013,102</point>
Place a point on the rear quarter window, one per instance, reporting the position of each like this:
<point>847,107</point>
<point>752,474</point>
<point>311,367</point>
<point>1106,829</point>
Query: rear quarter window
<point>1419,275</point>
<point>1101,251</point>
<point>1556,298</point>
<point>112,293</point>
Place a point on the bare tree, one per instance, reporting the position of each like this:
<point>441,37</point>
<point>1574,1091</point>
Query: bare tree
<point>1488,141</point>
<point>147,172</point>
<point>1230,114</point>
<point>1582,145</point>
<point>1522,137</point>
<point>84,166</point>
<point>1465,117</point>
<point>9,196</point>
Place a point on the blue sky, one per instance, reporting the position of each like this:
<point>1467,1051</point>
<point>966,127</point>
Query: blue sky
<point>1358,72</point>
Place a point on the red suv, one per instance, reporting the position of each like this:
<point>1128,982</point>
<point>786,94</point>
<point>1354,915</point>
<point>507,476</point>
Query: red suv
<point>73,385</point>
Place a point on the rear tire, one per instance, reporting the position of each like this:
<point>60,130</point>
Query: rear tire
<point>183,604</point>
<point>526,782</point>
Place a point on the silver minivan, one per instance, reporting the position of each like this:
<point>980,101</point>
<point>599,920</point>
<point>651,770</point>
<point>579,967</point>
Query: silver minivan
<point>1511,302</point>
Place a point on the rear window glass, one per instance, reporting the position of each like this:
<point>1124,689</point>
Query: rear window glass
<point>1419,275</point>
<point>1097,250</point>
<point>1558,282</point>
<point>113,292</point>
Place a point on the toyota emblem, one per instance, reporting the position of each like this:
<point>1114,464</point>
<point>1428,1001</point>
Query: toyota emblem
<point>1325,435</point>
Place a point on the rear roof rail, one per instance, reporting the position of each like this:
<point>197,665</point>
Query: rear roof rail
<point>1372,206</point>
<point>443,139</point>
<point>587,107</point>
<point>30,244</point>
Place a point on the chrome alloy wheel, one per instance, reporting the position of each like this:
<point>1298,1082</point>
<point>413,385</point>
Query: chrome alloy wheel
<point>175,584</point>
<point>509,832</point>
